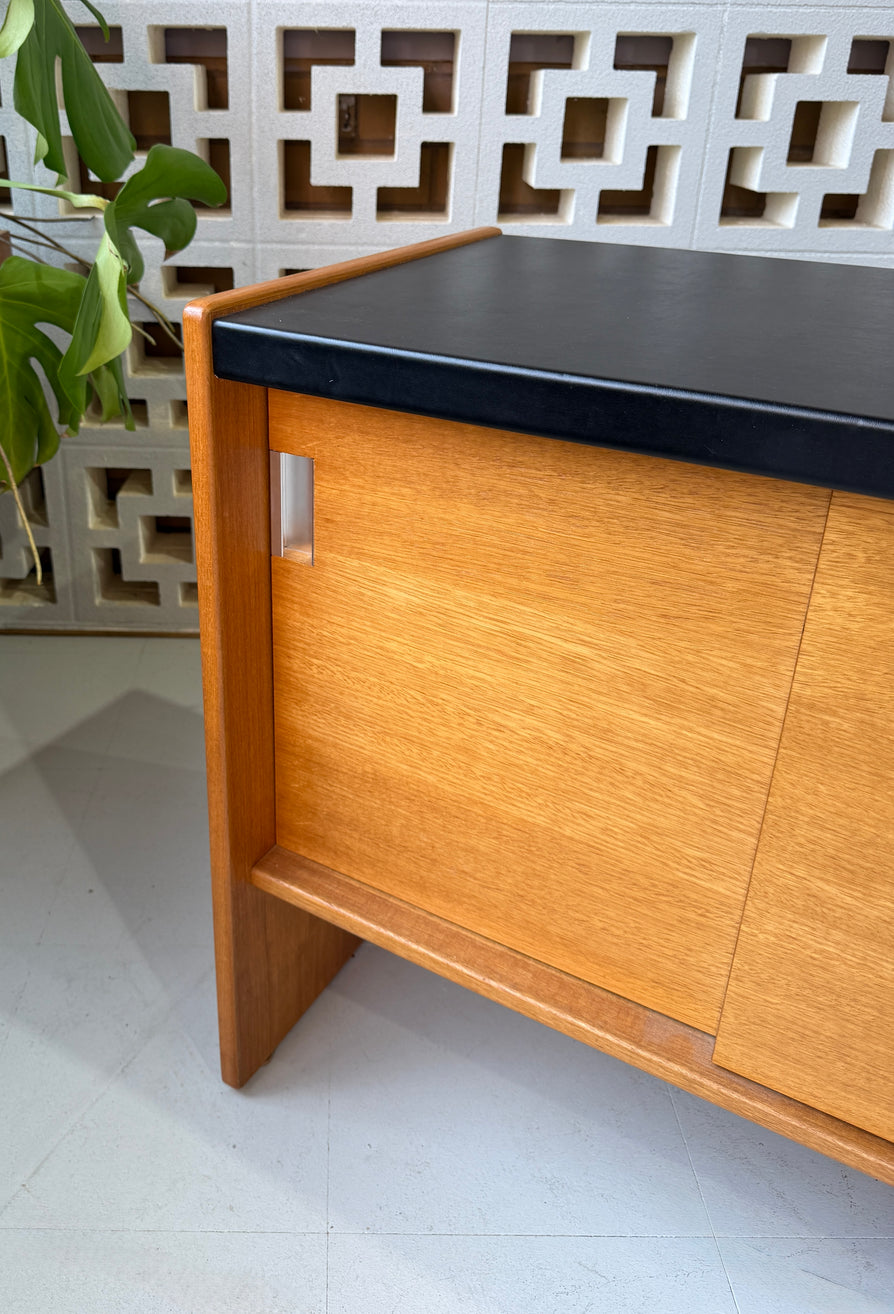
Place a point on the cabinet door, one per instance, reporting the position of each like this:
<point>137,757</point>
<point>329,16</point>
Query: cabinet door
<point>537,688</point>
<point>810,1005</point>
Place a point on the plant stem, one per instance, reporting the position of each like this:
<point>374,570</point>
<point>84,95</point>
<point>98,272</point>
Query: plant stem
<point>14,488</point>
<point>43,239</point>
<point>162,318</point>
<point>57,219</point>
<point>29,255</point>
<point>51,241</point>
<point>33,241</point>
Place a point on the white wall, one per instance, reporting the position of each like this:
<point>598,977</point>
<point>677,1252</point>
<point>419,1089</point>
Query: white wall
<point>816,182</point>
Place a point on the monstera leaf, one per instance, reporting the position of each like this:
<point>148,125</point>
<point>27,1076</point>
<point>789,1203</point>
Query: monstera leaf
<point>103,140</point>
<point>31,295</point>
<point>102,328</point>
<point>157,199</point>
<point>153,199</point>
<point>93,310</point>
<point>16,25</point>
<point>110,392</point>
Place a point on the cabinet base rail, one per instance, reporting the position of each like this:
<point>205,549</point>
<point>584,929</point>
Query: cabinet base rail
<point>668,1049</point>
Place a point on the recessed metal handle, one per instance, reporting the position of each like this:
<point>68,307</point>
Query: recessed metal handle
<point>292,507</point>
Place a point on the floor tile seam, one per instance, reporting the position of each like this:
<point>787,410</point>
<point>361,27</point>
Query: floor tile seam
<point>16,1004</point>
<point>126,948</point>
<point>157,1231</point>
<point>632,1236</point>
<point>701,1196</point>
<point>162,1014</point>
<point>36,747</point>
<point>328,1220</point>
<point>67,864</point>
<point>76,834</point>
<point>140,1044</point>
<point>70,1125</point>
<point>37,743</point>
<point>531,1236</point>
<point>418,1236</point>
<point>113,945</point>
<point>798,1236</point>
<point>695,1175</point>
<point>102,750</point>
<point>131,687</point>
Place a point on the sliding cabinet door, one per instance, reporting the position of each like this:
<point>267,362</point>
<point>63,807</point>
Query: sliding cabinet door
<point>810,1005</point>
<point>537,688</point>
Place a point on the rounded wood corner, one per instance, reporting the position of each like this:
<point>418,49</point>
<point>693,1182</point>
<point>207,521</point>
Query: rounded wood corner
<point>206,309</point>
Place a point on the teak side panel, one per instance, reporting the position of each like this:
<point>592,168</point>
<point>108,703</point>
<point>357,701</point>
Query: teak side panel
<point>537,688</point>
<point>657,1044</point>
<point>272,959</point>
<point>810,1005</point>
<point>258,941</point>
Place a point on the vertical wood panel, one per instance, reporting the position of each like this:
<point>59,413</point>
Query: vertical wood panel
<point>810,1005</point>
<point>272,959</point>
<point>537,688</point>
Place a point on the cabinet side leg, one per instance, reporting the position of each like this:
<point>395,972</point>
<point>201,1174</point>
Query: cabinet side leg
<point>272,959</point>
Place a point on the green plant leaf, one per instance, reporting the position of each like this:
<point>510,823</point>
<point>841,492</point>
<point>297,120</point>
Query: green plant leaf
<point>103,139</point>
<point>30,295</point>
<point>117,369</point>
<point>155,199</point>
<point>108,384</point>
<point>80,200</point>
<point>102,328</point>
<point>16,25</point>
<point>104,27</point>
<point>106,389</point>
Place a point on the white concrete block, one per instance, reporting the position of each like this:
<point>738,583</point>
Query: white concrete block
<point>598,143</point>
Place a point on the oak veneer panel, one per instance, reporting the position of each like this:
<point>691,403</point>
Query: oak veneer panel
<point>810,1006</point>
<point>657,1044</point>
<point>537,688</point>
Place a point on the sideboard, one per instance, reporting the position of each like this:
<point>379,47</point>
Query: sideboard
<point>547,606</point>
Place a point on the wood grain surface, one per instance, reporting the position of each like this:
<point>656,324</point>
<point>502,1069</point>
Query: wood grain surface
<point>668,1049</point>
<point>537,688</point>
<point>275,289</point>
<point>272,958</point>
<point>810,1006</point>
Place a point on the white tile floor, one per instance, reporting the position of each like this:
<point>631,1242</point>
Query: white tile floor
<point>411,1147</point>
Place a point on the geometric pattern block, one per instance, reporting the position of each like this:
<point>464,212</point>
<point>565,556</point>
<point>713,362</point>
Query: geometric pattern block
<point>130,512</point>
<point>278,258</point>
<point>608,139</point>
<point>180,77</point>
<point>371,119</point>
<point>344,129</point>
<point>801,152</point>
<point>203,106</point>
<point>22,601</point>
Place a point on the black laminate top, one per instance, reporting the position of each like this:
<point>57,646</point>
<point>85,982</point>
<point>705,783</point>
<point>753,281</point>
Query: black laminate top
<point>778,367</point>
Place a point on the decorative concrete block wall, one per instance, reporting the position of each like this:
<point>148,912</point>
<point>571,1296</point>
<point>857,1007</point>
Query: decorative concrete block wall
<point>344,129</point>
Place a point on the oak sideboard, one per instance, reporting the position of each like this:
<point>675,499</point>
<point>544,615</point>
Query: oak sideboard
<point>547,607</point>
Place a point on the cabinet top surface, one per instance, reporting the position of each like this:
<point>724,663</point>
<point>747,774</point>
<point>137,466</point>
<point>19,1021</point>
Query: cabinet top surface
<point>781,367</point>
